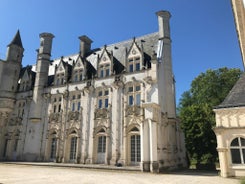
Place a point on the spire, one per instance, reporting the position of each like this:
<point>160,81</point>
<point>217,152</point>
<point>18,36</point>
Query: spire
<point>17,40</point>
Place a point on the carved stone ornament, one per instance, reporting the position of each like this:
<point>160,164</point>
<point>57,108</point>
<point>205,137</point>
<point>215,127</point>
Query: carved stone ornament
<point>134,51</point>
<point>101,113</point>
<point>73,115</point>
<point>133,110</point>
<point>54,117</point>
<point>15,121</point>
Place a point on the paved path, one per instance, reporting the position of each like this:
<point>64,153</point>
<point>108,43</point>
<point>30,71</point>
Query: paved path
<point>28,174</point>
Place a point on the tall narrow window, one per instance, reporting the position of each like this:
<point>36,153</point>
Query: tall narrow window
<point>53,148</point>
<point>102,144</point>
<point>73,148</point>
<point>135,148</point>
<point>5,148</point>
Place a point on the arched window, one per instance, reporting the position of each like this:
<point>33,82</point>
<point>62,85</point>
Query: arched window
<point>237,148</point>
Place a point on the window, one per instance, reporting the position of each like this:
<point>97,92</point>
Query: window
<point>103,99</point>
<point>53,148</point>
<point>78,75</point>
<point>135,148</point>
<point>73,106</point>
<point>21,109</point>
<point>60,79</point>
<point>134,64</point>
<point>75,78</point>
<point>15,144</point>
<point>75,102</point>
<point>237,149</point>
<point>73,148</point>
<point>104,70</point>
<point>57,104</point>
<point>78,106</point>
<point>102,144</point>
<point>134,95</point>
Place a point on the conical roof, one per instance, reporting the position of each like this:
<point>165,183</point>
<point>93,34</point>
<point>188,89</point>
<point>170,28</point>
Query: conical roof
<point>17,40</point>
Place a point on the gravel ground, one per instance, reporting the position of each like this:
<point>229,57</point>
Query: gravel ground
<point>27,174</point>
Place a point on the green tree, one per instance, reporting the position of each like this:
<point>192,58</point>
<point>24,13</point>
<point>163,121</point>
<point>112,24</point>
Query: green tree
<point>195,110</point>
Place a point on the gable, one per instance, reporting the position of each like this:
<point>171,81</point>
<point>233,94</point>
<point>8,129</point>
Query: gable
<point>79,64</point>
<point>26,76</point>
<point>134,51</point>
<point>60,68</point>
<point>105,58</point>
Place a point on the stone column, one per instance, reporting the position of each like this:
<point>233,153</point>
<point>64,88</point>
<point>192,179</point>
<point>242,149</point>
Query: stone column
<point>144,146</point>
<point>154,167</point>
<point>223,162</point>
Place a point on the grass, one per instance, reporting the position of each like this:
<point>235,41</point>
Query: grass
<point>242,181</point>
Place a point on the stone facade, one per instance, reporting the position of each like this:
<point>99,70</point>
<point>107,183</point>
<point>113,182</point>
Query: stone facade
<point>110,105</point>
<point>230,114</point>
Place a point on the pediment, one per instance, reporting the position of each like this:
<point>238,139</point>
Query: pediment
<point>105,57</point>
<point>79,64</point>
<point>134,50</point>
<point>60,68</point>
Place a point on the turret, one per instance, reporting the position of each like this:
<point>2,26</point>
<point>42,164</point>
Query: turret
<point>9,74</point>
<point>15,49</point>
<point>11,68</point>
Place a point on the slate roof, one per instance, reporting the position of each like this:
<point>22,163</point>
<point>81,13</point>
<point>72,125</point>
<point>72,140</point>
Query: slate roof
<point>236,97</point>
<point>147,42</point>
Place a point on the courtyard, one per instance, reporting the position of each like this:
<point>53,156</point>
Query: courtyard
<point>34,174</point>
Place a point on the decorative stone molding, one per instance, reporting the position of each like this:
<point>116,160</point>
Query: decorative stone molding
<point>134,110</point>
<point>15,121</point>
<point>118,81</point>
<point>73,116</point>
<point>101,113</point>
<point>54,117</point>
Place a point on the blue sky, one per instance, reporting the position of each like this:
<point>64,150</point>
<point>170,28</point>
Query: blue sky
<point>203,31</point>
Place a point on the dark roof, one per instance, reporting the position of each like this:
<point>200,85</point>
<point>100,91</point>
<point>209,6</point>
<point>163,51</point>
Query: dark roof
<point>148,44</point>
<point>236,97</point>
<point>17,40</point>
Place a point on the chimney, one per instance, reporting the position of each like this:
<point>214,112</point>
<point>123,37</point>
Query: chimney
<point>163,23</point>
<point>85,45</point>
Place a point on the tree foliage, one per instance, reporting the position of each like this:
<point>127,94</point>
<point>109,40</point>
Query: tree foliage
<point>195,109</point>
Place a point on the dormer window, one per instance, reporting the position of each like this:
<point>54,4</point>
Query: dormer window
<point>104,70</point>
<point>78,75</point>
<point>134,64</point>
<point>60,79</point>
